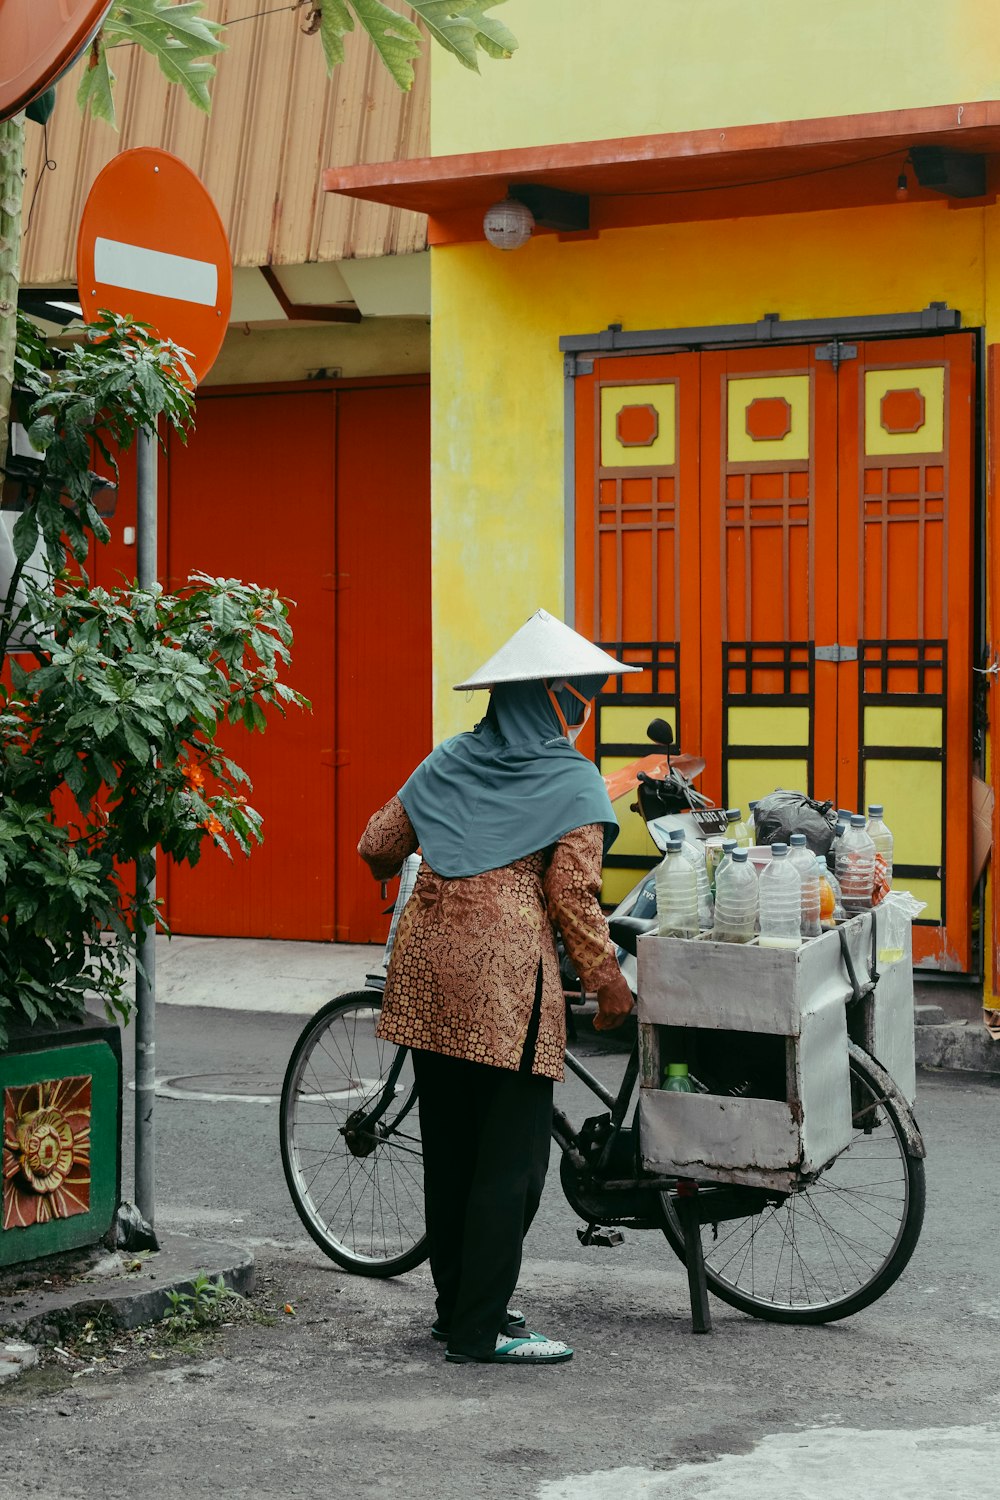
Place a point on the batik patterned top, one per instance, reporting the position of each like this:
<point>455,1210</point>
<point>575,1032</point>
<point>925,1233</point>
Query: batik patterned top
<point>465,961</point>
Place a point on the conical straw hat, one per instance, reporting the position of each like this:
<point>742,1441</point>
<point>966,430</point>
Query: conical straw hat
<point>544,648</point>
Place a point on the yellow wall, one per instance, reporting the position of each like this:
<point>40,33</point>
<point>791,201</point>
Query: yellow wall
<point>497,383</point>
<point>592,69</point>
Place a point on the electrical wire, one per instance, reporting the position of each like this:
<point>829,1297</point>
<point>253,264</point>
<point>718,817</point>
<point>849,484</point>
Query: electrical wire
<point>48,165</point>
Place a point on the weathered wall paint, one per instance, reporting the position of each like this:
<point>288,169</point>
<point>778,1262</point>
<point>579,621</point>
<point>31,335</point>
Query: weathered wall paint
<point>377,346</point>
<point>497,383</point>
<point>596,70</point>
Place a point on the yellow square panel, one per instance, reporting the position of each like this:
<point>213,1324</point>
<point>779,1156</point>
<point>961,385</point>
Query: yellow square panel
<point>769,726</point>
<point>616,884</point>
<point>634,837</point>
<point>910,399</point>
<point>888,725</point>
<point>776,409</point>
<point>625,724</point>
<point>750,780</point>
<point>650,411</point>
<point>910,792</point>
<point>928,891</point>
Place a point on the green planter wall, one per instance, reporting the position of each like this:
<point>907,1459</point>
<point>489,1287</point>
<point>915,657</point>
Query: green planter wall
<point>61,1098</point>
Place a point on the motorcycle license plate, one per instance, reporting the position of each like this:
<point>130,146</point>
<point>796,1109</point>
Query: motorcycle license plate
<point>710,820</point>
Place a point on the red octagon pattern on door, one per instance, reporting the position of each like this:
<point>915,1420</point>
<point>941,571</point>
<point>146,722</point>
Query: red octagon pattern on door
<point>782,539</point>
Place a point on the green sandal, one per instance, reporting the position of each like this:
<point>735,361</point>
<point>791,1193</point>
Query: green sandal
<point>533,1349</point>
<point>515,1319</point>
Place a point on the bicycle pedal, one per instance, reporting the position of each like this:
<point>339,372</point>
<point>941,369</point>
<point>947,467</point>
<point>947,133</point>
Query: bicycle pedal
<point>605,1239</point>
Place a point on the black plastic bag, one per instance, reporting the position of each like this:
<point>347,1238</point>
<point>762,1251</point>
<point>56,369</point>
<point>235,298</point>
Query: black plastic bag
<point>130,1231</point>
<point>784,813</point>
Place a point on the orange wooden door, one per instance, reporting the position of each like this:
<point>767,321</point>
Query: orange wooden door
<point>794,572</point>
<point>905,601</point>
<point>638,572</point>
<point>769,538</point>
<point>383,664</point>
<point>251,496</point>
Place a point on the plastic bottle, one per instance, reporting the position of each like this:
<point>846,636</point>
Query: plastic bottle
<point>780,895</point>
<point>855,866</point>
<point>736,900</point>
<point>676,1080</point>
<point>831,904</point>
<point>694,852</point>
<point>844,816</point>
<point>804,860</point>
<point>676,895</point>
<point>728,845</point>
<point>736,828</point>
<point>714,853</point>
<point>881,836</point>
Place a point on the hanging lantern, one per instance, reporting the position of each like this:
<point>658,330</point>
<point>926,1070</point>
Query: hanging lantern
<point>508,224</point>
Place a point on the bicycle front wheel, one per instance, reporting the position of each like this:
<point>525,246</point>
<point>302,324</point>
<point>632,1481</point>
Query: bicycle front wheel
<point>838,1244</point>
<point>350,1140</point>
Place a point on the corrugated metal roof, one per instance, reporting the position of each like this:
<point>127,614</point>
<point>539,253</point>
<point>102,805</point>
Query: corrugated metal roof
<point>277,120</point>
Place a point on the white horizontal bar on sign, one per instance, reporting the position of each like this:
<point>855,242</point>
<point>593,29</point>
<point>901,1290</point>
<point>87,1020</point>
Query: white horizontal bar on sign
<point>136,269</point>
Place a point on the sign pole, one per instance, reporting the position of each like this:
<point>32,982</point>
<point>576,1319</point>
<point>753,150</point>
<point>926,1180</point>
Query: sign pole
<point>145,890</point>
<point>152,247</point>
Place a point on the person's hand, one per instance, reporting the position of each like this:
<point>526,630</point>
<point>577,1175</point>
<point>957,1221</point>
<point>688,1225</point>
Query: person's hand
<point>614,1002</point>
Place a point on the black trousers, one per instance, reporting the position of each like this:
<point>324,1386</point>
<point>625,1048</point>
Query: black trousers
<point>486,1138</point>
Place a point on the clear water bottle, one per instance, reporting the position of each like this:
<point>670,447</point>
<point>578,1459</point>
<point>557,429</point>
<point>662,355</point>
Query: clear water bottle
<point>804,860</point>
<point>736,900</point>
<point>713,858</point>
<point>881,836</point>
<point>676,895</point>
<point>855,866</point>
<point>831,903</point>
<point>694,852</point>
<point>736,828</point>
<point>676,1080</point>
<point>780,896</point>
<point>844,816</point>
<point>728,845</point>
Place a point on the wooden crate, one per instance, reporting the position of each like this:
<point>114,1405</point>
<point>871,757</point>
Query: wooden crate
<point>786,1013</point>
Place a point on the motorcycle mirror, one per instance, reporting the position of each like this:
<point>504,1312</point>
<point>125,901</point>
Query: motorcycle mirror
<point>660,732</point>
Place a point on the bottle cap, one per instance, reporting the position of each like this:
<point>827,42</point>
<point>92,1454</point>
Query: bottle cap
<point>797,840</point>
<point>844,814</point>
<point>677,1070</point>
<point>821,861</point>
<point>732,814</point>
<point>876,810</point>
<point>752,806</point>
<point>857,820</point>
<point>778,851</point>
<point>729,845</point>
<point>740,856</point>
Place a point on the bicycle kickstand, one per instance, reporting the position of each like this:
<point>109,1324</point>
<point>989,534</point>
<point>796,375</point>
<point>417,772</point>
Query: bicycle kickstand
<point>687,1211</point>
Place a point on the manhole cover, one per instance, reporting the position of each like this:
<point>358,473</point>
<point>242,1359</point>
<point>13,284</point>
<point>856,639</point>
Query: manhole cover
<point>222,1088</point>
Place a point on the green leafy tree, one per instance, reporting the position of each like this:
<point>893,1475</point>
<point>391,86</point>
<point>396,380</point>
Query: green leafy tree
<point>109,727</point>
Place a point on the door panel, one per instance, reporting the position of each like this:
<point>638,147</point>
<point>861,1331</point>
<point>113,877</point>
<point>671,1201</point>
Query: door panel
<point>794,572</point>
<point>251,497</point>
<point>638,574</point>
<point>906,603</point>
<point>383,667</point>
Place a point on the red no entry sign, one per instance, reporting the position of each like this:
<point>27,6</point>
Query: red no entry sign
<point>152,245</point>
<point>38,41</point>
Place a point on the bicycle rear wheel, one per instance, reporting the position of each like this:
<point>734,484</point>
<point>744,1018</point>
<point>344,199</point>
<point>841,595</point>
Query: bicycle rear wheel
<point>350,1140</point>
<point>837,1245</point>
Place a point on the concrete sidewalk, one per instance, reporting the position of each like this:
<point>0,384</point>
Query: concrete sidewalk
<point>260,974</point>
<point>285,978</point>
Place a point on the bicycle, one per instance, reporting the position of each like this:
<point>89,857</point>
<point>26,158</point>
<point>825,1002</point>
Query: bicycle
<point>350,1147</point>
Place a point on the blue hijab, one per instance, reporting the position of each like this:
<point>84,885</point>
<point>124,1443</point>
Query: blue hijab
<point>512,785</point>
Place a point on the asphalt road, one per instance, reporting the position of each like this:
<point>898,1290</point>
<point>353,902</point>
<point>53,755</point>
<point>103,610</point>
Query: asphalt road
<point>350,1398</point>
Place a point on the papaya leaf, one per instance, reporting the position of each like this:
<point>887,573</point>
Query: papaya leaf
<point>396,40</point>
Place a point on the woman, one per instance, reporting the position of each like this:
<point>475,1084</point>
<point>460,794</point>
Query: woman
<point>513,824</point>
